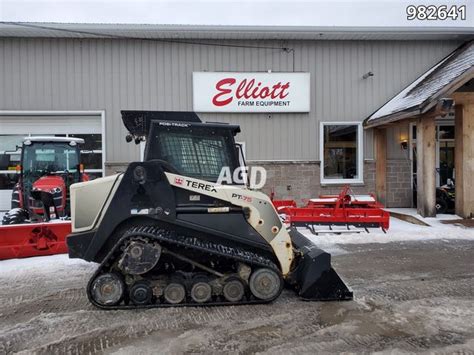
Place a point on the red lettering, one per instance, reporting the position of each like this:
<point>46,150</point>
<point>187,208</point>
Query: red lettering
<point>247,90</point>
<point>275,87</point>
<point>240,88</point>
<point>283,88</point>
<point>265,92</point>
<point>255,91</point>
<point>217,99</point>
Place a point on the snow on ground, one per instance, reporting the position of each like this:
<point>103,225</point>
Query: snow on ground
<point>408,297</point>
<point>16,267</point>
<point>399,231</point>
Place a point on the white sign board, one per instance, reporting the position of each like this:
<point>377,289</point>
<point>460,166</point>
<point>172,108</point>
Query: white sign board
<point>251,92</point>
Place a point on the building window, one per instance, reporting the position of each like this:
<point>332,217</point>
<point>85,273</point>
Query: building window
<point>341,153</point>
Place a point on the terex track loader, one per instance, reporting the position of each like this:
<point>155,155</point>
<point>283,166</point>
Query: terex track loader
<point>166,234</point>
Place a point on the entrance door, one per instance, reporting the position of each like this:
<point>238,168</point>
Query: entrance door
<point>445,136</point>
<point>445,156</point>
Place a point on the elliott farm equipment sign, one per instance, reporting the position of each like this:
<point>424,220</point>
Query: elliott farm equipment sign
<point>251,92</point>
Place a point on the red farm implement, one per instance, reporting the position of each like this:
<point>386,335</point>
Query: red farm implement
<point>33,239</point>
<point>346,209</point>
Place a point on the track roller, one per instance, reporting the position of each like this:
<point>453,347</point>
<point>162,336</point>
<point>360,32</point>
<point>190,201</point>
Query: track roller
<point>265,284</point>
<point>233,290</point>
<point>174,293</point>
<point>107,289</point>
<point>141,293</point>
<point>201,292</point>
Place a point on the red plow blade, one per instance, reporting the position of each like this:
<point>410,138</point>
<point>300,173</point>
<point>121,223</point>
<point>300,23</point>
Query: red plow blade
<point>33,239</point>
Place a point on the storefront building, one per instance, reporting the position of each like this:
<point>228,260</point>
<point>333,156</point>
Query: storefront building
<point>304,98</point>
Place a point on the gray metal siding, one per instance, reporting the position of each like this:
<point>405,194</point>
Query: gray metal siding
<point>96,74</point>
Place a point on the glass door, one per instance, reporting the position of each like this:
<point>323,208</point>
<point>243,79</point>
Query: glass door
<point>445,156</point>
<point>445,170</point>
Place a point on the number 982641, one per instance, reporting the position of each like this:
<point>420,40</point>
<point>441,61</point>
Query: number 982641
<point>435,13</point>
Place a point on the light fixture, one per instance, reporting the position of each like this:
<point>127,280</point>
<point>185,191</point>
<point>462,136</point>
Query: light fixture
<point>404,143</point>
<point>367,75</point>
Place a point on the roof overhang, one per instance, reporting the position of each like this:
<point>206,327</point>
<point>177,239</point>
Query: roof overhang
<point>210,32</point>
<point>429,92</point>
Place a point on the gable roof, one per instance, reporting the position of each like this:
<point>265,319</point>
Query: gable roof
<point>421,95</point>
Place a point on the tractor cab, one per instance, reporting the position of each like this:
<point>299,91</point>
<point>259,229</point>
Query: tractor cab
<point>49,166</point>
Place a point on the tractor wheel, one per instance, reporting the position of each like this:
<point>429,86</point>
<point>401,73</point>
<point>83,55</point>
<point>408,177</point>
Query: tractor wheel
<point>15,216</point>
<point>441,206</point>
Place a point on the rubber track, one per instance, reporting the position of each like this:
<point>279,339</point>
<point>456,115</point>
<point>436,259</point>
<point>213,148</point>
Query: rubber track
<point>170,237</point>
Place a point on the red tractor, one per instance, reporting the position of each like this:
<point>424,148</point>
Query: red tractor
<point>38,222</point>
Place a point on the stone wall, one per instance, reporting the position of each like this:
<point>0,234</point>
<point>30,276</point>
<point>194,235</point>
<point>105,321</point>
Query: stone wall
<point>399,189</point>
<point>301,180</point>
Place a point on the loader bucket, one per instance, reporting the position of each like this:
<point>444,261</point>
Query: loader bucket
<point>313,278</point>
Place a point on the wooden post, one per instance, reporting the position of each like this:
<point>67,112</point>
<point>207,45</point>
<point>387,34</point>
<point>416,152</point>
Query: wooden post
<point>468,158</point>
<point>381,164</point>
<point>426,166</point>
<point>464,153</point>
<point>458,160</point>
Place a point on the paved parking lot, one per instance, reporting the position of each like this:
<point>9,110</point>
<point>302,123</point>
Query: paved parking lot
<point>409,296</point>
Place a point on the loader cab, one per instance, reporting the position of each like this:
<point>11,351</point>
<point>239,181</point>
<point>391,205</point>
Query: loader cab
<point>188,146</point>
<point>197,150</point>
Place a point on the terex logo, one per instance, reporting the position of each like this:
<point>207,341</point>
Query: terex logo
<point>247,89</point>
<point>178,181</point>
<point>242,197</point>
<point>200,186</point>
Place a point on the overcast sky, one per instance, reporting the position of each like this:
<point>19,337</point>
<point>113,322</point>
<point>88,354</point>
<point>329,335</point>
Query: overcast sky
<point>227,12</point>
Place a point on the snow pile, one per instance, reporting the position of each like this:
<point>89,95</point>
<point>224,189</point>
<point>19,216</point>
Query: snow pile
<point>37,264</point>
<point>399,231</point>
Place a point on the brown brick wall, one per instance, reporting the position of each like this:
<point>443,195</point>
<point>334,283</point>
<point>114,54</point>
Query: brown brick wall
<point>399,191</point>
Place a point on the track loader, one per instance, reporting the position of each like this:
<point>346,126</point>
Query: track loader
<point>165,233</point>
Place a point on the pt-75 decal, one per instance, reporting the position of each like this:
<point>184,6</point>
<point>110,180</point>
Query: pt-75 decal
<point>242,197</point>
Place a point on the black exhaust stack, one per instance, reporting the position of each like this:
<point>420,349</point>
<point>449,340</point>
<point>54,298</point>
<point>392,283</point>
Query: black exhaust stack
<point>313,278</point>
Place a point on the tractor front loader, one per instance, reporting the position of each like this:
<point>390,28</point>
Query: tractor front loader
<point>165,233</point>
